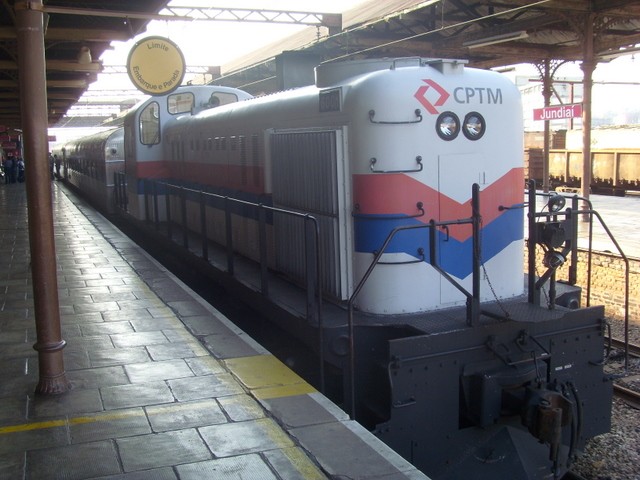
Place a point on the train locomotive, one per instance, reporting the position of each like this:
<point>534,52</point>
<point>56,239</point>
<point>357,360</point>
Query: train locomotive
<point>413,172</point>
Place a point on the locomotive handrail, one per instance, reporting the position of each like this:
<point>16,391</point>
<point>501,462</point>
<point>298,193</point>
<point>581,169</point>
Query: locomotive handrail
<point>364,216</point>
<point>373,161</point>
<point>311,248</point>
<point>473,299</point>
<point>416,112</point>
<point>120,190</point>
<point>354,295</point>
<point>590,212</point>
<point>155,204</point>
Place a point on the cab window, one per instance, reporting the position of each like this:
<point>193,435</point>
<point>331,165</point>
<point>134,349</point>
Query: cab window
<point>150,124</point>
<point>180,102</point>
<point>221,98</point>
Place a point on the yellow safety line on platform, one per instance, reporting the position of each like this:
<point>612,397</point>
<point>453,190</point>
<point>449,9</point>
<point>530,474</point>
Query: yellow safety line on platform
<point>298,460</point>
<point>302,464</point>
<point>267,377</point>
<point>103,417</point>
<point>264,375</point>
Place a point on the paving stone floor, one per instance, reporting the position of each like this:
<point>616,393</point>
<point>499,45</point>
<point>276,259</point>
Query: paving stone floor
<point>149,400</point>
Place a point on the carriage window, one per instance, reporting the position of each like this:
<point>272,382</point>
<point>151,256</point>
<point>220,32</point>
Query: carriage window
<point>150,124</point>
<point>180,102</point>
<point>221,98</point>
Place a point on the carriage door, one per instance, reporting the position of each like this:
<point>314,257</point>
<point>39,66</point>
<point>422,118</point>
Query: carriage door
<point>456,174</point>
<point>308,176</point>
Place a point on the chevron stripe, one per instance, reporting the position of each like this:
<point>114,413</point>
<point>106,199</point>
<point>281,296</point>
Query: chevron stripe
<point>380,197</point>
<point>398,194</point>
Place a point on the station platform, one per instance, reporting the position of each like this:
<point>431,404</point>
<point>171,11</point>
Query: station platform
<point>164,386</point>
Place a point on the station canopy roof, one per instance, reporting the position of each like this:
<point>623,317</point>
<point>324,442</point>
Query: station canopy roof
<point>487,33</point>
<point>77,32</point>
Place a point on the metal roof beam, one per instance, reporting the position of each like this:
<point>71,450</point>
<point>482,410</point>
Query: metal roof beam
<point>58,66</point>
<point>182,13</point>
<point>73,34</point>
<point>72,83</point>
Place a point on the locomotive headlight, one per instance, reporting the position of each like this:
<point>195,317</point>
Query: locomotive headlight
<point>473,126</point>
<point>448,126</point>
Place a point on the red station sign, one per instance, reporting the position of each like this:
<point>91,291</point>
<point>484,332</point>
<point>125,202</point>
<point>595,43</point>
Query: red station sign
<point>558,112</point>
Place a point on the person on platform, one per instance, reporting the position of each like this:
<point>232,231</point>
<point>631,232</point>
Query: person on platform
<point>51,163</point>
<point>9,170</point>
<point>58,162</point>
<point>20,168</point>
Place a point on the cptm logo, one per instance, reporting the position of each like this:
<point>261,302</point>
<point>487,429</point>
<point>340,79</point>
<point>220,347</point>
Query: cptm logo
<point>433,95</point>
<point>435,92</point>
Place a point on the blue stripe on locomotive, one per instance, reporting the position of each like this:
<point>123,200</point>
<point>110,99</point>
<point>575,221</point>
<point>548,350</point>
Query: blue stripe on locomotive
<point>455,255</point>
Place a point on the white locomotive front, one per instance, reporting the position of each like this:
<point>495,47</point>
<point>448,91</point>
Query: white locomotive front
<point>421,133</point>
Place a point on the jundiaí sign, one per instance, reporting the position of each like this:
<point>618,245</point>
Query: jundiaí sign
<point>558,112</point>
<point>156,65</point>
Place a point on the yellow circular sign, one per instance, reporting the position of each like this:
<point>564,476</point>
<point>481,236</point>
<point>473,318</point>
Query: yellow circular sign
<point>156,65</point>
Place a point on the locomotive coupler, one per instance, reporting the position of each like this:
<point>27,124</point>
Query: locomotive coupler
<point>545,413</point>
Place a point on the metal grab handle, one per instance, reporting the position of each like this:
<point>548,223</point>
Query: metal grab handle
<point>416,112</point>
<point>446,229</point>
<point>364,216</point>
<point>373,161</point>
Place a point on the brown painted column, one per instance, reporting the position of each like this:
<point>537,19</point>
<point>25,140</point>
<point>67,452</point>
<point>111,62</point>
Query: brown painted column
<point>33,106</point>
<point>588,66</point>
<point>546,93</point>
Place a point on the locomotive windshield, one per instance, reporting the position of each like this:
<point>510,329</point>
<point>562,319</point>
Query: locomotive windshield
<point>180,102</point>
<point>221,98</point>
<point>150,124</point>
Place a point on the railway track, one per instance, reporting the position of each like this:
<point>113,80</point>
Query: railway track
<point>634,350</point>
<point>628,395</point>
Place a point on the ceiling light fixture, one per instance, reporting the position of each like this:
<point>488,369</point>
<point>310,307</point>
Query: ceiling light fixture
<point>84,56</point>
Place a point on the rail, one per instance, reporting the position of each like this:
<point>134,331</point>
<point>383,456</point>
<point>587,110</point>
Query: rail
<point>631,397</point>
<point>634,350</point>
<point>154,189</point>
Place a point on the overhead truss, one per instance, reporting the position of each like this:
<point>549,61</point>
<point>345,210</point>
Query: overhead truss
<point>333,21</point>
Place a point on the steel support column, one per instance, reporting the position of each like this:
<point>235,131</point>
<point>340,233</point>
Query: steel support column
<point>588,66</point>
<point>547,70</point>
<point>547,86</point>
<point>33,105</point>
